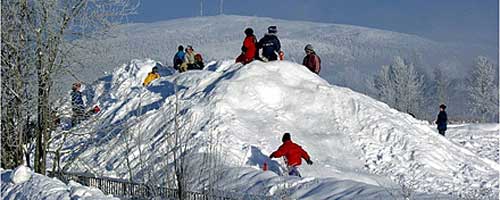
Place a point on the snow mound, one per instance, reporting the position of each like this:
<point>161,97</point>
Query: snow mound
<point>350,136</point>
<point>78,191</point>
<point>21,174</point>
<point>44,188</point>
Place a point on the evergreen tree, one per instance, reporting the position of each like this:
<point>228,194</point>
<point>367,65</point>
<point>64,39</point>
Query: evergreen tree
<point>400,86</point>
<point>483,94</point>
<point>442,85</point>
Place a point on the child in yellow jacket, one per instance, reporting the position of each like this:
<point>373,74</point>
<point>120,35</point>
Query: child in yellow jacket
<point>151,76</point>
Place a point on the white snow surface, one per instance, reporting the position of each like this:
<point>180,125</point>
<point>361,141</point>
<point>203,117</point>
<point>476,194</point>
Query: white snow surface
<point>482,139</point>
<point>35,186</point>
<point>360,147</point>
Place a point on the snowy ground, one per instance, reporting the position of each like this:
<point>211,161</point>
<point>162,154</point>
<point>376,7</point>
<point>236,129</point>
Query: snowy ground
<point>360,147</point>
<point>482,139</point>
<point>22,183</point>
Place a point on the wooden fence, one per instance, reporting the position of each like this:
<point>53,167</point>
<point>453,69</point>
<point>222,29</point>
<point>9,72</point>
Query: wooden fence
<point>130,190</point>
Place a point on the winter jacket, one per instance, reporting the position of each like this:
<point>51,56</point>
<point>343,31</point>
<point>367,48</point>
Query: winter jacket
<point>292,152</point>
<point>442,120</point>
<point>270,45</point>
<point>151,76</point>
<point>178,59</point>
<point>241,58</point>
<point>312,62</point>
<point>250,43</point>
<point>77,101</point>
<point>198,61</point>
<point>189,58</point>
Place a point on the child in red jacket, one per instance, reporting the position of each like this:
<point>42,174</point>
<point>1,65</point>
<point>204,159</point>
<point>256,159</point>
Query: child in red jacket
<point>250,43</point>
<point>311,60</point>
<point>293,154</point>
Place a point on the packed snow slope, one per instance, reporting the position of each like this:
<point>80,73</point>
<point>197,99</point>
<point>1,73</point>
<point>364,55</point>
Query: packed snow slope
<point>244,110</point>
<point>22,183</point>
<point>350,55</point>
<point>482,139</point>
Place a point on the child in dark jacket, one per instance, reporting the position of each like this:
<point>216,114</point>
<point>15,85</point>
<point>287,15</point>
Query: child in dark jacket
<point>442,119</point>
<point>77,105</point>
<point>270,44</point>
<point>179,58</point>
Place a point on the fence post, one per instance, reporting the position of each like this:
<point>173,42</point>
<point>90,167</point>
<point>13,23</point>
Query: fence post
<point>124,189</point>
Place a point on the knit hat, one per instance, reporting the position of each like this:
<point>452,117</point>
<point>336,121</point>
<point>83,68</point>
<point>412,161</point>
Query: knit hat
<point>180,48</point>
<point>442,106</point>
<point>249,31</point>
<point>272,29</point>
<point>309,47</point>
<point>286,137</point>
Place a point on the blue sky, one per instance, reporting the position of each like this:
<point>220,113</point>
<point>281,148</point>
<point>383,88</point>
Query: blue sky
<point>466,21</point>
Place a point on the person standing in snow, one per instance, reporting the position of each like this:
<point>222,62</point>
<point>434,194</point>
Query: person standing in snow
<point>77,105</point>
<point>151,76</point>
<point>442,119</point>
<point>179,58</point>
<point>311,60</point>
<point>270,44</point>
<point>293,155</point>
<point>250,43</point>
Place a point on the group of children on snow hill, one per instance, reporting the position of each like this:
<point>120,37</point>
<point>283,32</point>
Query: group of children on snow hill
<point>271,50</point>
<point>183,61</point>
<point>187,60</point>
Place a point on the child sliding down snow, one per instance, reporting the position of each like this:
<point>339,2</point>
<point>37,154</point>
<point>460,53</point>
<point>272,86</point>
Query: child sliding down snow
<point>293,155</point>
<point>151,76</point>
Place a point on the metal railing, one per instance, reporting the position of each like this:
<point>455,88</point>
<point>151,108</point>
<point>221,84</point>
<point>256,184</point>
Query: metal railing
<point>129,190</point>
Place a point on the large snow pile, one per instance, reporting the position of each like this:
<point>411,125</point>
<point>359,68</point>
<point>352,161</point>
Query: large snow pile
<point>350,55</point>
<point>246,109</point>
<point>22,183</point>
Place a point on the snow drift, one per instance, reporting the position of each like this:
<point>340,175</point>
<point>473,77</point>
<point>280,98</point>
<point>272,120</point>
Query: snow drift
<point>350,137</point>
<point>22,183</point>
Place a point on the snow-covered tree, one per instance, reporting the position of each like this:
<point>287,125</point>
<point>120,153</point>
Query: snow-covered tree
<point>442,85</point>
<point>482,90</point>
<point>400,86</point>
<point>36,38</point>
<point>384,85</point>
